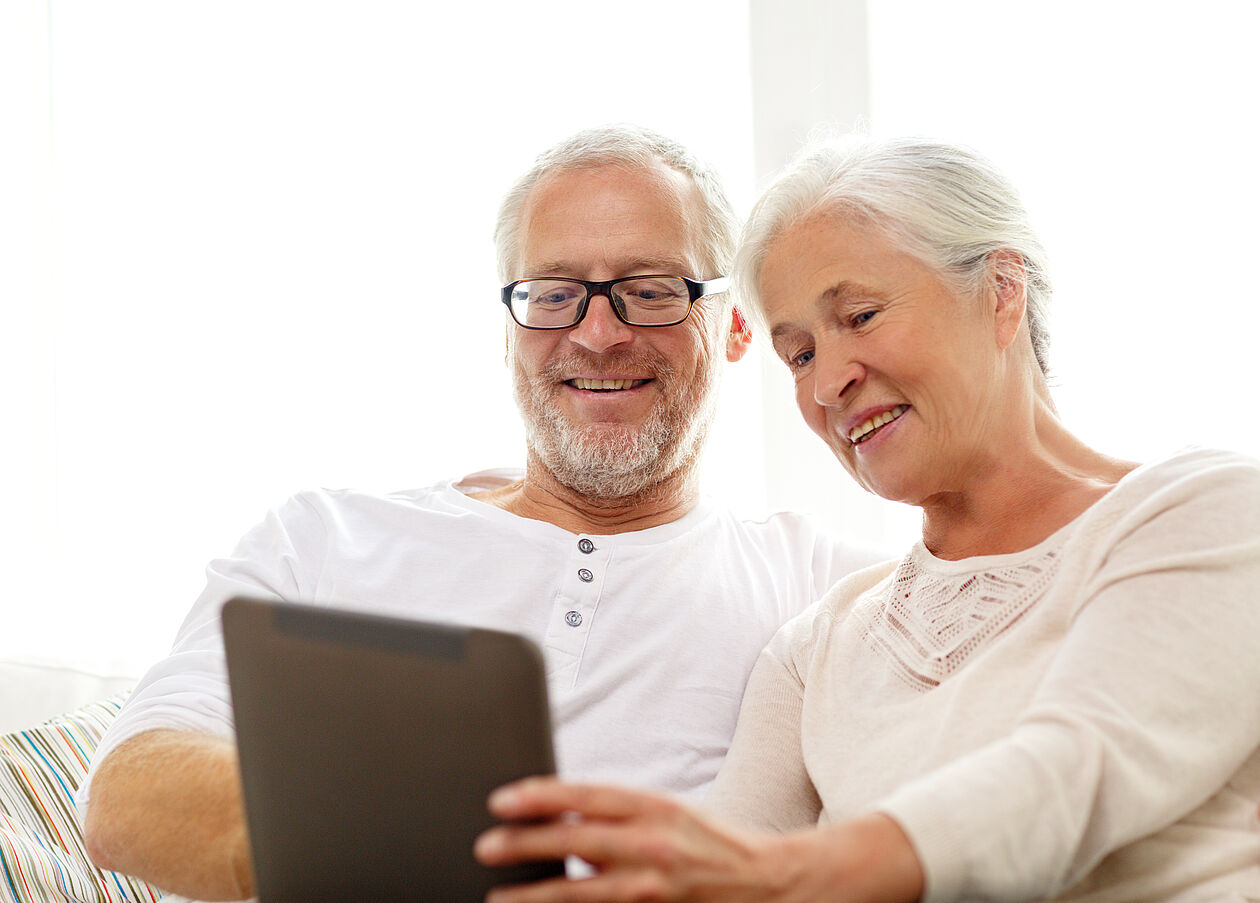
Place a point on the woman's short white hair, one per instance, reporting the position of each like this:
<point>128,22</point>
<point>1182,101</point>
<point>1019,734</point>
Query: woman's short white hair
<point>630,147</point>
<point>944,204</point>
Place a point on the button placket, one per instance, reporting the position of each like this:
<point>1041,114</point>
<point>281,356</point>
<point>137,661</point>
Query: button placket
<point>579,594</point>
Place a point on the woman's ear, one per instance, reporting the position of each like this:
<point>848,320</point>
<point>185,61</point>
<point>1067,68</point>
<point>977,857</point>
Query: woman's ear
<point>739,340</point>
<point>1008,283</point>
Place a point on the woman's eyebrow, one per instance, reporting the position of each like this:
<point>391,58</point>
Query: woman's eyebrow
<point>843,292</point>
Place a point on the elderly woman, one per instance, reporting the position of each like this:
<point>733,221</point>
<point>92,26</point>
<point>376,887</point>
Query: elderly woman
<point>1056,693</point>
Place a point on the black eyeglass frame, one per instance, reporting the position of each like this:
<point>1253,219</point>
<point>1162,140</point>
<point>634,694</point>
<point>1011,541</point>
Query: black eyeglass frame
<point>695,291</point>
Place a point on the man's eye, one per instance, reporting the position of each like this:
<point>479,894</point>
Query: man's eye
<point>654,296</point>
<point>554,298</point>
<point>863,318</point>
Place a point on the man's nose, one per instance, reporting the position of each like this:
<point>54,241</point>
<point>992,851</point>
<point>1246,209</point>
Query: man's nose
<point>601,329</point>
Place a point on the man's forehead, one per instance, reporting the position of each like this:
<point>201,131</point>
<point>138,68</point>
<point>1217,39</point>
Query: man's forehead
<point>622,219</point>
<point>678,264</point>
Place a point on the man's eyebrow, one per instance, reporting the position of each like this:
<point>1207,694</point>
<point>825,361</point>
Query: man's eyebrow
<point>660,266</point>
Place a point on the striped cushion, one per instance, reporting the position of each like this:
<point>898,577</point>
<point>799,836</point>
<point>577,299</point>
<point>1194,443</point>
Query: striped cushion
<point>42,859</point>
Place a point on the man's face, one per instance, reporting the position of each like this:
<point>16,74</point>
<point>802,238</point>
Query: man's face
<point>611,410</point>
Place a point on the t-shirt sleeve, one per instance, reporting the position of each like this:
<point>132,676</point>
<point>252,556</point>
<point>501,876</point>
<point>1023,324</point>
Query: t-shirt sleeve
<point>1146,712</point>
<point>188,690</point>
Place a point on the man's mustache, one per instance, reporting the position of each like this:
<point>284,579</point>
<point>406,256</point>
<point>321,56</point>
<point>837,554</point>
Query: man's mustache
<point>638,364</point>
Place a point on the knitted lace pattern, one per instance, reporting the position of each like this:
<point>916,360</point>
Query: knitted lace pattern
<point>932,618</point>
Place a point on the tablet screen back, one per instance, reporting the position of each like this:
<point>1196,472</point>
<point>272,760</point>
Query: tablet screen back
<point>368,746</point>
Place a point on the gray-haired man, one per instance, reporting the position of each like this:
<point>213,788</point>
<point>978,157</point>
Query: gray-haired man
<point>650,604</point>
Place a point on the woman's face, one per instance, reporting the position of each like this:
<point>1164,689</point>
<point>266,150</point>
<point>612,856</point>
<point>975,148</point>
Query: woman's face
<point>895,371</point>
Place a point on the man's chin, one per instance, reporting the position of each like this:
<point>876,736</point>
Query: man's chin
<point>605,461</point>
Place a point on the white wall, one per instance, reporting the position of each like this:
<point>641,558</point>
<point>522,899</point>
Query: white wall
<point>270,264</point>
<point>229,233</point>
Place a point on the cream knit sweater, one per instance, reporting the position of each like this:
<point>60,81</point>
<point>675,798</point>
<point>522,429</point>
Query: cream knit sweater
<point>1079,720</point>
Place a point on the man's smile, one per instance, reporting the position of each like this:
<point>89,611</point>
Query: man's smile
<point>605,385</point>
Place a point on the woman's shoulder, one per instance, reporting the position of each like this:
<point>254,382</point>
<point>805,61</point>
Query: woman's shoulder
<point>1196,479</point>
<point>1198,461</point>
<point>1194,503</point>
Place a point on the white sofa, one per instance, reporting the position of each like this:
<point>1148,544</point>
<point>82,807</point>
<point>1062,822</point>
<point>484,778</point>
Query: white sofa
<point>33,691</point>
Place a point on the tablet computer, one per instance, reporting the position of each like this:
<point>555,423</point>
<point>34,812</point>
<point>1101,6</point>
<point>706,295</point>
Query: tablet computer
<point>368,746</point>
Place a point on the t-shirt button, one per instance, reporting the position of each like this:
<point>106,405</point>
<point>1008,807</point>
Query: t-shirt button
<point>585,576</point>
<point>586,546</point>
<point>573,618</point>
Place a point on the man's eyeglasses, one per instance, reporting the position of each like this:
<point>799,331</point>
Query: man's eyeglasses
<point>636,300</point>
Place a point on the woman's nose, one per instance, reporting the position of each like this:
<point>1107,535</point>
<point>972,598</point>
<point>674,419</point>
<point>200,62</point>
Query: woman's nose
<point>837,372</point>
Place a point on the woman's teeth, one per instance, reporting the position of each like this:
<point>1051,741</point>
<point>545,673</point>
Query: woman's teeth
<point>860,433</point>
<point>604,385</point>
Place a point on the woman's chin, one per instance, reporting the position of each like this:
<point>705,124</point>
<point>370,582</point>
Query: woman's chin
<point>890,480</point>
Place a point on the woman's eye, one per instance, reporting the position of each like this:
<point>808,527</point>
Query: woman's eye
<point>801,359</point>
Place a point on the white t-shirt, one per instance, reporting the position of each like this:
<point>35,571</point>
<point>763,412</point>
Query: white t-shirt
<point>1079,720</point>
<point>648,636</point>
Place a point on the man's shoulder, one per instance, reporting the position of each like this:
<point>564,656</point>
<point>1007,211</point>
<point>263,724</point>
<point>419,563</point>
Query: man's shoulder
<point>355,508</point>
<point>794,527</point>
<point>451,489</point>
<point>796,537</point>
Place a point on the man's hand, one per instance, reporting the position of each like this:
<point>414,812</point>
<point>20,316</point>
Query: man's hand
<point>166,806</point>
<point>646,847</point>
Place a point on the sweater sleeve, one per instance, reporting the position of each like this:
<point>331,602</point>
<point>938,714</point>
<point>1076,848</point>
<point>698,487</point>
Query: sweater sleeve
<point>1146,712</point>
<point>763,782</point>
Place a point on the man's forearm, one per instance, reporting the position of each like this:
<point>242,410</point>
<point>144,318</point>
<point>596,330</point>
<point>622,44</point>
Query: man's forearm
<point>166,807</point>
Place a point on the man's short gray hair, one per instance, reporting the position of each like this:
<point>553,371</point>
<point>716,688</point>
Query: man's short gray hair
<point>943,203</point>
<point>629,147</point>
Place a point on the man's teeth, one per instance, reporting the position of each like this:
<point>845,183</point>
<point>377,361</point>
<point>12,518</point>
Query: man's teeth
<point>605,384</point>
<point>858,433</point>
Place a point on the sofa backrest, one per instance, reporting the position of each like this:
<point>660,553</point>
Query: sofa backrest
<point>33,692</point>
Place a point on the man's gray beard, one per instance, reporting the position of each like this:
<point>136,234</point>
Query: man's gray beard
<point>617,462</point>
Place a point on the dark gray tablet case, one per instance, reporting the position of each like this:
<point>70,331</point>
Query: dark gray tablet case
<point>368,746</point>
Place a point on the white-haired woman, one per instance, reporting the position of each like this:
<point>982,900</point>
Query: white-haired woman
<point>1056,693</point>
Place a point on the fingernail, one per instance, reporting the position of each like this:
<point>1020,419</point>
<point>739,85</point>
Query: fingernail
<point>489,843</point>
<point>504,797</point>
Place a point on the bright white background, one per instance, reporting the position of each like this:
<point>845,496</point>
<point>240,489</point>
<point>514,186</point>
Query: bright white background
<point>244,246</point>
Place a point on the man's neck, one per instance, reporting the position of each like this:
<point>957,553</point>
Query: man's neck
<point>540,496</point>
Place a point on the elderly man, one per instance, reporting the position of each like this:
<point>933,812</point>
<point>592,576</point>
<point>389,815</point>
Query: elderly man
<point>649,603</point>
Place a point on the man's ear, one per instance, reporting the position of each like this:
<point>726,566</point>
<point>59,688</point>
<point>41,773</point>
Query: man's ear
<point>739,340</point>
<point>1008,282</point>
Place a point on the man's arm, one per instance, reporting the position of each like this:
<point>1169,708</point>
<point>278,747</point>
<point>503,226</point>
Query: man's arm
<point>166,807</point>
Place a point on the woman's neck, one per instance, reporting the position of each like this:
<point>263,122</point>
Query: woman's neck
<point>1020,495</point>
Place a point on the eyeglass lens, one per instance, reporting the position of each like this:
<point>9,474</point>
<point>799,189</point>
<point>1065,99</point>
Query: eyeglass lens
<point>554,303</point>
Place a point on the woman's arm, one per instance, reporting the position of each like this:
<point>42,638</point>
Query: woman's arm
<point>647,847</point>
<point>1147,711</point>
